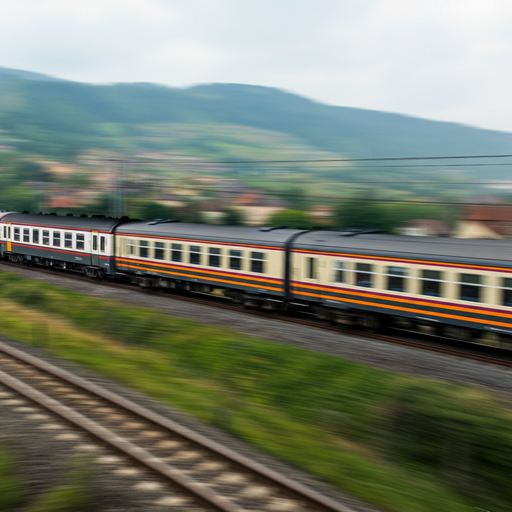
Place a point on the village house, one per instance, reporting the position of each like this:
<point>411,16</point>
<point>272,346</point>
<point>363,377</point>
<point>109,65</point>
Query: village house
<point>485,221</point>
<point>425,227</point>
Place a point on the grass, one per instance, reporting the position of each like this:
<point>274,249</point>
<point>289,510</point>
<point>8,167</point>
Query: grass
<point>74,493</point>
<point>401,443</point>
<point>11,485</point>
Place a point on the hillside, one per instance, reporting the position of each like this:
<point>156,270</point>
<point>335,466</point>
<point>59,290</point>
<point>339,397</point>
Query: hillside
<point>61,118</point>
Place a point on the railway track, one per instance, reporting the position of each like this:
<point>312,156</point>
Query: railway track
<point>197,471</point>
<point>467,350</point>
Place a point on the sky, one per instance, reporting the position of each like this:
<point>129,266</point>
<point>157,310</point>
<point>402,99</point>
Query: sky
<point>447,60</point>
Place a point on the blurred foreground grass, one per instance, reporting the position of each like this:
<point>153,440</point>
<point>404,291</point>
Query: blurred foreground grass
<point>72,493</point>
<point>402,443</point>
<point>11,485</point>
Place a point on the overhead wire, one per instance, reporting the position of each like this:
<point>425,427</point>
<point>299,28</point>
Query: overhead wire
<point>367,183</point>
<point>336,199</point>
<point>322,160</point>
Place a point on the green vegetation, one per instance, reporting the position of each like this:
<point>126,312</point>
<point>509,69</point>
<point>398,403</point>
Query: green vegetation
<point>293,219</point>
<point>73,494</point>
<point>150,210</point>
<point>58,118</point>
<point>295,197</point>
<point>54,115</point>
<point>367,213</point>
<point>233,217</point>
<point>400,442</point>
<point>174,134</point>
<point>11,485</point>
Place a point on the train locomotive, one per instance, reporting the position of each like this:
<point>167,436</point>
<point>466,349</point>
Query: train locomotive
<point>458,288</point>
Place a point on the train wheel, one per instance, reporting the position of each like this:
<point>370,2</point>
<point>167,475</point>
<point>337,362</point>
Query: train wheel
<point>238,297</point>
<point>16,258</point>
<point>90,272</point>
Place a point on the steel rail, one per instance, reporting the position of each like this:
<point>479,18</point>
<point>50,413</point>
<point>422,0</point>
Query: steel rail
<point>271,476</point>
<point>123,445</point>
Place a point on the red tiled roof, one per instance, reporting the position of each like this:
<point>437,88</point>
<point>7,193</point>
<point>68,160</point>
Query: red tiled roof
<point>497,218</point>
<point>489,213</point>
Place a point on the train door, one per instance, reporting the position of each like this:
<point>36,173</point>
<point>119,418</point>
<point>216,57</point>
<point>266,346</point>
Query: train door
<point>8,237</point>
<point>95,260</point>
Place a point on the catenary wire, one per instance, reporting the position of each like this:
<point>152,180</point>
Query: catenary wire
<point>381,159</point>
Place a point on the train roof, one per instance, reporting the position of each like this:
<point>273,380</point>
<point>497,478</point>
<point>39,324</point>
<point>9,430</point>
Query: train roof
<point>472,251</point>
<point>208,232</point>
<point>63,221</point>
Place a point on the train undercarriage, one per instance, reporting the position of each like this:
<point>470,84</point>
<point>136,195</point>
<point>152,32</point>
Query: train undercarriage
<point>367,321</point>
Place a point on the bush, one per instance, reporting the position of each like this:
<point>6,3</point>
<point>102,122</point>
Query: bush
<point>293,219</point>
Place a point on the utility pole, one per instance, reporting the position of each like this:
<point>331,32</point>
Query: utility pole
<point>116,201</point>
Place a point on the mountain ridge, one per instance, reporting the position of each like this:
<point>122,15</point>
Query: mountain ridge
<point>62,113</point>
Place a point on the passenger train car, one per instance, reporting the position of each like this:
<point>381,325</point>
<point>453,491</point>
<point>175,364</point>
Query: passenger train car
<point>459,287</point>
<point>74,243</point>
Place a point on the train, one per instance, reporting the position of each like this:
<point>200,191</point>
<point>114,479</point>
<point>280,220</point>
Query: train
<point>456,288</point>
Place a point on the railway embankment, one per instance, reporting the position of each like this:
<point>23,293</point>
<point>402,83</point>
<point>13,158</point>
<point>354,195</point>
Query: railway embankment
<point>396,441</point>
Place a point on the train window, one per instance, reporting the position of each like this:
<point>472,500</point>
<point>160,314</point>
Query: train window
<point>68,240</point>
<point>143,249</point>
<point>159,250</point>
<point>17,234</point>
<point>131,246</point>
<point>506,298</point>
<point>396,279</point>
<point>431,283</point>
<point>35,236</point>
<point>235,259</point>
<point>5,231</point>
<point>46,238</point>
<point>258,262</point>
<point>338,268</point>
<point>195,255</point>
<point>176,252</point>
<point>214,257</point>
<point>56,238</point>
<point>102,243</point>
<point>470,287</point>
<point>311,266</point>
<point>80,242</point>
<point>94,242</point>
<point>26,235</point>
<point>364,275</point>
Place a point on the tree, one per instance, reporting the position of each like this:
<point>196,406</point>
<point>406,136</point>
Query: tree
<point>295,197</point>
<point>233,217</point>
<point>17,199</point>
<point>294,219</point>
<point>151,210</point>
<point>361,213</point>
<point>31,171</point>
